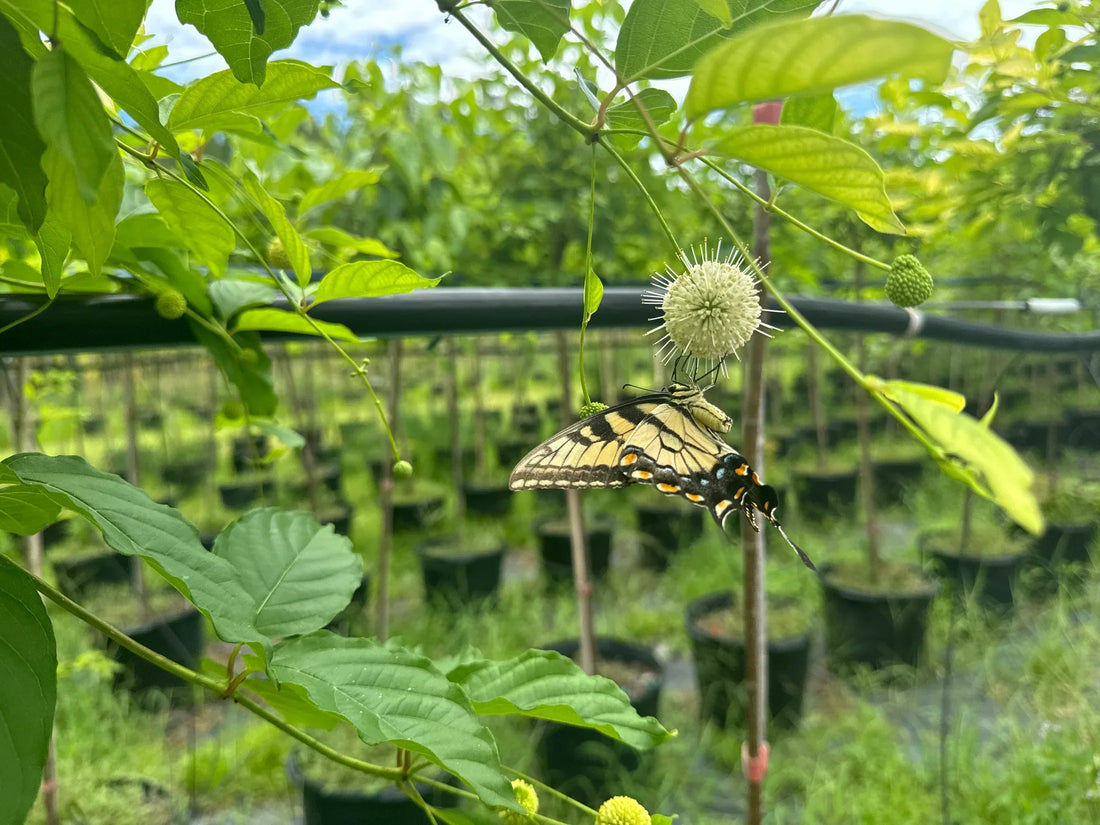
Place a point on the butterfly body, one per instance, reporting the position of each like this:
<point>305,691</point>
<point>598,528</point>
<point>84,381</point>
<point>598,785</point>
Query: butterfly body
<point>670,440</point>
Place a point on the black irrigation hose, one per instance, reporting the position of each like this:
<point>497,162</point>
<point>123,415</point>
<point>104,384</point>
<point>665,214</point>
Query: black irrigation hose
<point>125,321</point>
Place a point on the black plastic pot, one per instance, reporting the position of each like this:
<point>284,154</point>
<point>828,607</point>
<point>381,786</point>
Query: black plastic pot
<point>54,534</point>
<point>338,806</point>
<point>874,629</point>
<point>78,577</point>
<point>588,765</point>
<point>239,494</point>
<point>416,514</point>
<point>843,430</point>
<point>458,578</point>
<point>720,670</point>
<point>186,473</point>
<point>179,637</point>
<point>666,527</point>
<point>490,500</point>
<point>824,495</point>
<point>893,479</point>
<point>557,558</point>
<point>443,457</point>
<point>991,579</point>
<point>248,452</point>
<point>1082,429</point>
<point>1065,544</point>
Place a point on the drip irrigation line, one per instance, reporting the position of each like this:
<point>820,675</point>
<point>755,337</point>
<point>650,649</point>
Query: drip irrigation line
<point>126,321</point>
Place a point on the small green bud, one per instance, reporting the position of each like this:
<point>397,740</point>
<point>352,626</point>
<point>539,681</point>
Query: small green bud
<point>402,469</point>
<point>908,283</point>
<point>276,254</point>
<point>527,798</point>
<point>233,410</point>
<point>622,810</point>
<point>592,407</point>
<point>171,304</point>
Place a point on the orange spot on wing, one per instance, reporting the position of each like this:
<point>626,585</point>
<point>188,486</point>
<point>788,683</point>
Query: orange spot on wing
<point>742,470</point>
<point>694,497</point>
<point>644,475</point>
<point>756,479</point>
<point>722,506</point>
<point>740,492</point>
<point>628,459</point>
<point>667,488</point>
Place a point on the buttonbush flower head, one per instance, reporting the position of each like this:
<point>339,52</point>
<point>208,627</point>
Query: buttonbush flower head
<point>171,304</point>
<point>908,283</point>
<point>709,310</point>
<point>592,407</point>
<point>528,800</point>
<point>622,810</point>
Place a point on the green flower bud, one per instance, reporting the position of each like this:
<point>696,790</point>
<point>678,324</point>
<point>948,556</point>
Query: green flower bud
<point>233,410</point>
<point>908,283</point>
<point>592,407</point>
<point>528,800</point>
<point>622,810</point>
<point>402,469</point>
<point>276,254</point>
<point>171,304</point>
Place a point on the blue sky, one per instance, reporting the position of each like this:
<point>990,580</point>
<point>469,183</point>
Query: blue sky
<point>368,29</point>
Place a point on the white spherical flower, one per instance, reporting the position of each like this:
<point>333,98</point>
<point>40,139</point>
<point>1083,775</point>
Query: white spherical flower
<point>708,311</point>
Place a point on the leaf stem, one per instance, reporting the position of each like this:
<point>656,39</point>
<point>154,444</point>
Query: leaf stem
<point>28,316</point>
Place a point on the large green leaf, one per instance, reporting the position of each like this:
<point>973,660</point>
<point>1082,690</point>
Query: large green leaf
<point>231,295</point>
<point>28,691</point>
<point>53,240</point>
<point>817,111</point>
<point>275,212</point>
<point>546,685</point>
<point>298,573</point>
<point>990,466</point>
<point>248,369</point>
<point>392,695</point>
<point>543,22</point>
<point>659,103</point>
<point>135,525</point>
<point>664,38</point>
<point>115,22</point>
<point>336,187</point>
<point>333,236</point>
<point>70,116</point>
<point>812,56</point>
<point>197,224</point>
<point>830,166</point>
<point>219,101</point>
<point>229,27</point>
<point>369,279</point>
<point>25,510</point>
<point>92,225</point>
<point>281,320</point>
<point>21,146</point>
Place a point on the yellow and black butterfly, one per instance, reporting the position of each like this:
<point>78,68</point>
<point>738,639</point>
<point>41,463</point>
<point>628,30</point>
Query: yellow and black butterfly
<point>670,439</point>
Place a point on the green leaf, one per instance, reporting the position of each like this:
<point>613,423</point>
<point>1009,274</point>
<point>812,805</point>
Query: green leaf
<point>52,240</point>
<point>813,56</point>
<point>665,38</point>
<point>251,375</point>
<point>26,510</point>
<point>543,684</point>
<point>69,115</point>
<point>28,691</point>
<point>219,101</point>
<point>812,111</point>
<point>543,22</point>
<point>119,80</point>
<point>369,279</point>
<point>290,438</point>
<point>115,22</point>
<point>298,573</point>
<point>281,320</point>
<point>275,213</point>
<point>593,293</point>
<point>948,398</point>
<point>332,236</point>
<point>231,295</point>
<point>197,225</point>
<point>92,225</point>
<point>392,695</point>
<point>828,165</point>
<point>658,102</point>
<point>1047,17</point>
<point>991,467</point>
<point>21,147</point>
<point>335,188</point>
<point>228,27</point>
<point>135,525</point>
<point>290,700</point>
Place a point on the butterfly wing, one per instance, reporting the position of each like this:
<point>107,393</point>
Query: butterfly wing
<point>585,454</point>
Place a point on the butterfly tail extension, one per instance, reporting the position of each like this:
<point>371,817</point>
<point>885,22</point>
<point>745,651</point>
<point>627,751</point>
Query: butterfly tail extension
<point>766,500</point>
